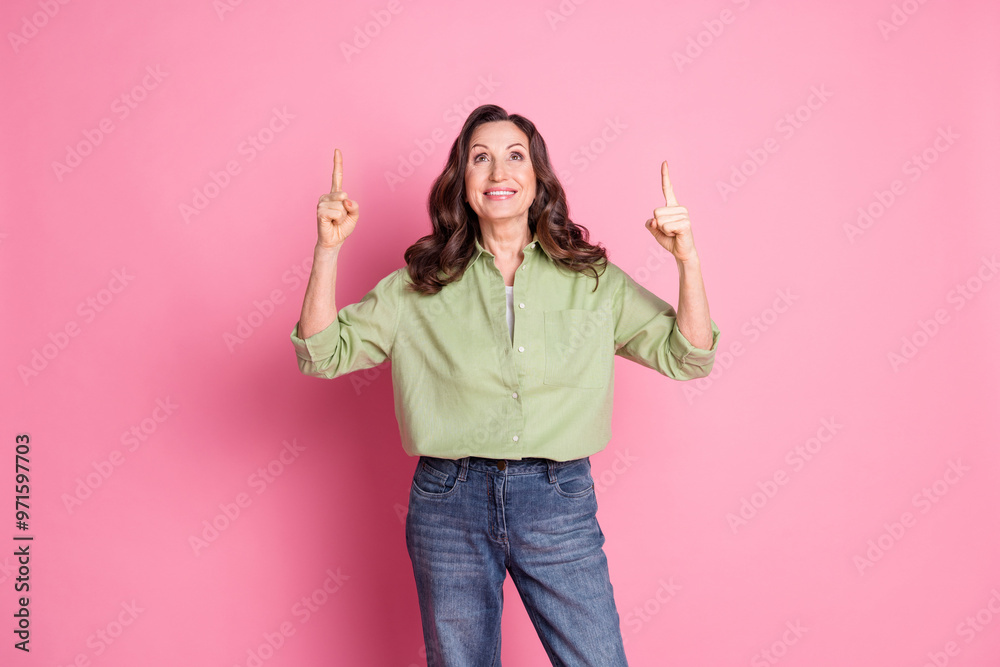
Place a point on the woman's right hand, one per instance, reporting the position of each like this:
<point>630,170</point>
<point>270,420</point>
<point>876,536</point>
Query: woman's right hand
<point>336,215</point>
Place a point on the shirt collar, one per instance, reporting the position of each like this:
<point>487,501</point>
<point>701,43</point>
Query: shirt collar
<point>534,244</point>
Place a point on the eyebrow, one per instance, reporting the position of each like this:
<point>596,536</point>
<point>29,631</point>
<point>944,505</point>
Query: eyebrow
<point>511,146</point>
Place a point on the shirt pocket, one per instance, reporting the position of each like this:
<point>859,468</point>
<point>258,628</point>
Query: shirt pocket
<point>579,348</point>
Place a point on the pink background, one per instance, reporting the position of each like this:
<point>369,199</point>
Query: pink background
<point>141,314</point>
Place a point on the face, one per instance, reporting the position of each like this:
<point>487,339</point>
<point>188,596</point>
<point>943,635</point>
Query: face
<point>499,176</point>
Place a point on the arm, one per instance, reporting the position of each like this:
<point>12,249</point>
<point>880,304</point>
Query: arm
<point>671,228</point>
<point>648,331</point>
<point>336,216</point>
<point>692,305</point>
<point>319,308</point>
<point>330,342</point>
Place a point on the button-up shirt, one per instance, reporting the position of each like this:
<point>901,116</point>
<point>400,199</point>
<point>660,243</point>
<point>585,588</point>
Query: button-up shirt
<point>463,387</point>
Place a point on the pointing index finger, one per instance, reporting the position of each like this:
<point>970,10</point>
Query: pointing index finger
<point>668,189</point>
<point>338,170</point>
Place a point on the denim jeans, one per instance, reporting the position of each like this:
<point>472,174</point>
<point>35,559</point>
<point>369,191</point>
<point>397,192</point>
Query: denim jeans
<point>473,520</point>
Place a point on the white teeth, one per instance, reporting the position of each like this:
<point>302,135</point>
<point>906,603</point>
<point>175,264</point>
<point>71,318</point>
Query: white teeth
<point>500,192</point>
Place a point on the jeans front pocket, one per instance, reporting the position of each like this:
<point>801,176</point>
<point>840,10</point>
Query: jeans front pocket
<point>435,478</point>
<point>574,480</point>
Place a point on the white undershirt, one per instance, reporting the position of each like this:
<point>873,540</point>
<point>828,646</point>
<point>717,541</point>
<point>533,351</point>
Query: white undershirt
<point>510,311</point>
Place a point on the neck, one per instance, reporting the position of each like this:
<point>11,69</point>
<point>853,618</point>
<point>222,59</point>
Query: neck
<point>506,238</point>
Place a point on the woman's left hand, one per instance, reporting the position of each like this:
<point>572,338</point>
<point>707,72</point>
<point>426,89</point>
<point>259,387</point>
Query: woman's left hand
<point>670,224</point>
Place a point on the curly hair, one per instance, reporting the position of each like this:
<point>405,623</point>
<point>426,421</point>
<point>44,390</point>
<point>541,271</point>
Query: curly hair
<point>442,256</point>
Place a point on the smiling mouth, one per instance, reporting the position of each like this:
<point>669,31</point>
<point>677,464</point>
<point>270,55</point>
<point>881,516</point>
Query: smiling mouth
<point>499,194</point>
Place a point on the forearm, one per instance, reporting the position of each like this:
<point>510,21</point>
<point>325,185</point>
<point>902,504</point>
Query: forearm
<point>692,305</point>
<point>319,307</point>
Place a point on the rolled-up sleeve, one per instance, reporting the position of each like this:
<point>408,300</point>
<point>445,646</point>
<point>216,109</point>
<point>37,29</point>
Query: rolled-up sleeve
<point>360,337</point>
<point>646,332</point>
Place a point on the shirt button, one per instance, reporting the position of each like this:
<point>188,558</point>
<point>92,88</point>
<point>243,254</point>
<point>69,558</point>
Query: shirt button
<point>520,305</point>
<point>514,395</point>
<point>515,438</point>
<point>520,349</point>
<point>523,267</point>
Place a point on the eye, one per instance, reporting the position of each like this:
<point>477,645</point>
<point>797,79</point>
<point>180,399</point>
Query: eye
<point>476,159</point>
<point>518,154</point>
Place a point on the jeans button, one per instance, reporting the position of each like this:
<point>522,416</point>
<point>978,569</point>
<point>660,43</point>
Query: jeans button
<point>501,464</point>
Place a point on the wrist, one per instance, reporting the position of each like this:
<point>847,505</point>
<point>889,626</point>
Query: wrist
<point>326,251</point>
<point>691,262</point>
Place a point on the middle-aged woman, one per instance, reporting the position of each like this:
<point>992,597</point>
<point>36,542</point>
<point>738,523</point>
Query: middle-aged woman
<point>502,330</point>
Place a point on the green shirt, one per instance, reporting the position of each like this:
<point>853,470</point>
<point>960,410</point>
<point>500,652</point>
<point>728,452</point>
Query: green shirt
<point>462,388</point>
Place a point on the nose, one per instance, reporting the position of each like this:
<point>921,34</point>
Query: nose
<point>498,171</point>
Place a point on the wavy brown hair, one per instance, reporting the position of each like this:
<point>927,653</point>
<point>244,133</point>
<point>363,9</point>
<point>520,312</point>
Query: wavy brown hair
<point>442,256</point>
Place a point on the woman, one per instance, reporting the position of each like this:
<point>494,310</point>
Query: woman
<point>502,331</point>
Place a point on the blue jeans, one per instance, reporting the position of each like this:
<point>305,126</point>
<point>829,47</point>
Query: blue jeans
<point>472,520</point>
